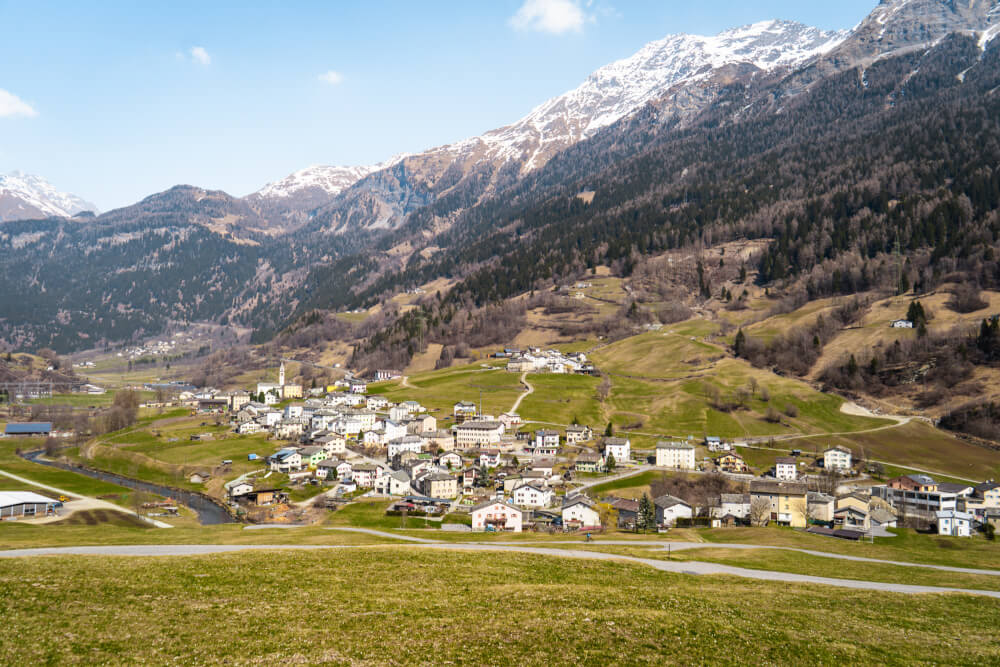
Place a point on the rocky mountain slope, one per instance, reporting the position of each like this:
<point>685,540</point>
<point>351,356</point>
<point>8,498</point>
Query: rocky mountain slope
<point>459,174</point>
<point>750,133</point>
<point>26,197</point>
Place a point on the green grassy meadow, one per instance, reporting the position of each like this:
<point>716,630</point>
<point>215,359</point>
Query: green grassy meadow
<point>491,608</point>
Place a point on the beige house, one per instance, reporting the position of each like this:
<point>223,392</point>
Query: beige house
<point>440,485</point>
<point>678,455</point>
<point>786,502</point>
<point>478,434</point>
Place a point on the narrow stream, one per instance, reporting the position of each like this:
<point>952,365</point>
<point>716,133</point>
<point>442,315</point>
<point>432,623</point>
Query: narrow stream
<point>209,512</point>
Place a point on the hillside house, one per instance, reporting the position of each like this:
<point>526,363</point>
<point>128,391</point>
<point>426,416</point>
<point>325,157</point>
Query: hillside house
<point>736,505</point>
<point>490,458</point>
<point>478,434</point>
<point>678,455</point>
<point>530,495</point>
<point>546,439</point>
<point>954,523</point>
<point>498,515</point>
<point>576,434</point>
<point>786,468</point>
<point>837,458</point>
<point>620,448</point>
<point>669,509</point>
<point>589,462</point>
<point>580,512</point>
<point>440,485</point>
<point>464,410</point>
<point>408,443</point>
<point>732,463</point>
<point>450,461</point>
<point>285,461</point>
<point>787,502</point>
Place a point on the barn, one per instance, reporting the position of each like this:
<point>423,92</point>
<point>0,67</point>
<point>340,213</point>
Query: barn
<point>28,429</point>
<point>14,504</point>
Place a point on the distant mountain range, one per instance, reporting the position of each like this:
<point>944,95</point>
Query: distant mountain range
<point>26,197</point>
<point>679,115</point>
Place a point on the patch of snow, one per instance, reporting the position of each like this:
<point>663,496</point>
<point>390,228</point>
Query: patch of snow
<point>990,34</point>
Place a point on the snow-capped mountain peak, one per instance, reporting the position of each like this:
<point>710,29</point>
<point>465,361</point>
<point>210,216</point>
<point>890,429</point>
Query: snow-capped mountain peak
<point>331,180</point>
<point>24,196</point>
<point>616,90</point>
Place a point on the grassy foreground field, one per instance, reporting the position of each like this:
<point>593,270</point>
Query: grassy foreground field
<point>474,608</point>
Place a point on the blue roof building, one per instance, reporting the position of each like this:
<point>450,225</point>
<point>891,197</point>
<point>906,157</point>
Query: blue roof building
<point>28,429</point>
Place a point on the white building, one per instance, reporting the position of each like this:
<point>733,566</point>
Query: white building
<point>678,455</point>
<point>786,469</point>
<point>837,458</point>
<point>954,523</point>
<point>620,448</point>
<point>530,495</point>
<point>579,512</point>
<point>497,515</point>
<point>409,443</point>
<point>478,434</point>
<point>669,509</point>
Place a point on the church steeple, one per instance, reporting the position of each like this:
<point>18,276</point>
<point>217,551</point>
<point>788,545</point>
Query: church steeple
<point>281,375</point>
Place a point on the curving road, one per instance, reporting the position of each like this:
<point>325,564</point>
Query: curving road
<point>684,567</point>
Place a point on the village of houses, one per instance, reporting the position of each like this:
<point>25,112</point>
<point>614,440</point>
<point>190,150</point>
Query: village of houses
<point>499,475</point>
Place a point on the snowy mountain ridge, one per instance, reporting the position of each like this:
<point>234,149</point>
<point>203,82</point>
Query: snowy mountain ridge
<point>24,197</point>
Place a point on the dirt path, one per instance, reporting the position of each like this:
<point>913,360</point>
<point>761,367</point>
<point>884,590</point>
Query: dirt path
<point>528,391</point>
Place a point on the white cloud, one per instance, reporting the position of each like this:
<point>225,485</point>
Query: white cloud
<point>12,106</point>
<point>332,77</point>
<point>200,55</point>
<point>552,16</point>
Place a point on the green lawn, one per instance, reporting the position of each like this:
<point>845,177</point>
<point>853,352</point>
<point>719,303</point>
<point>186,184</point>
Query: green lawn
<point>485,608</point>
<point>640,480</point>
<point>559,399</point>
<point>440,390</point>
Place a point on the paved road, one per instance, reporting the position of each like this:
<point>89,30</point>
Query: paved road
<point>528,391</point>
<point>82,502</point>
<point>686,567</point>
<point>382,533</point>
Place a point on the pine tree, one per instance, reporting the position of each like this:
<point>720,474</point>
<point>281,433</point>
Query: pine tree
<point>740,343</point>
<point>646,517</point>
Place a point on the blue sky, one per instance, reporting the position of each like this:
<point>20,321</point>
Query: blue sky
<point>114,101</point>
